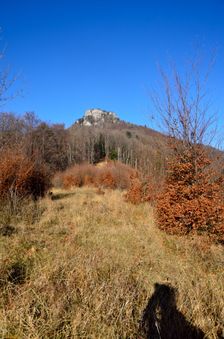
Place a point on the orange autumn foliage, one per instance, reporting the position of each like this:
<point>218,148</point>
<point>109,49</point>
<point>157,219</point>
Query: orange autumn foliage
<point>21,176</point>
<point>111,175</point>
<point>141,190</point>
<point>192,198</point>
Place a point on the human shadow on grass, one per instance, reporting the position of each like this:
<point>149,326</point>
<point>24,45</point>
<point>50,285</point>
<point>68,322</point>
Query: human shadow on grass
<point>162,320</point>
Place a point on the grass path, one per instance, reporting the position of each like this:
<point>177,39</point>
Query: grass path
<point>88,265</point>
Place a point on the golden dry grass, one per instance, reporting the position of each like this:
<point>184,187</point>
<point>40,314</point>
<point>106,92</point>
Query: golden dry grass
<point>86,268</point>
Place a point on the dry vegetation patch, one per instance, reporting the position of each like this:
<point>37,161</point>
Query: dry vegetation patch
<point>87,269</point>
<point>21,177</point>
<point>112,174</point>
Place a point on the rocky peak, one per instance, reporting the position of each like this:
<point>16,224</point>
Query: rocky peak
<point>96,117</point>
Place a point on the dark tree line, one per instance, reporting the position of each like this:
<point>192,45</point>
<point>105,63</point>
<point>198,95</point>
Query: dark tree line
<point>60,148</point>
<point>48,144</point>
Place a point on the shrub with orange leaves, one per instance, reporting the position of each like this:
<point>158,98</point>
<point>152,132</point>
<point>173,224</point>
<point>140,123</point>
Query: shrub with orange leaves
<point>192,200</point>
<point>106,179</point>
<point>134,194</point>
<point>71,180</point>
<point>76,176</point>
<point>109,175</point>
<point>21,176</point>
<point>114,175</point>
<point>142,189</point>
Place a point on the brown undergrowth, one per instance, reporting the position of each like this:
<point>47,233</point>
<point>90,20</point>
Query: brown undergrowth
<point>189,199</point>
<point>112,174</point>
<point>192,198</point>
<point>143,189</point>
<point>94,266</point>
<point>21,176</point>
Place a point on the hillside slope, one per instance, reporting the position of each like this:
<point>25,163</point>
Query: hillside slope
<point>101,134</point>
<point>86,264</point>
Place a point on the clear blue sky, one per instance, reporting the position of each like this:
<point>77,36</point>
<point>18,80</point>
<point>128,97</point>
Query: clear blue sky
<point>80,54</point>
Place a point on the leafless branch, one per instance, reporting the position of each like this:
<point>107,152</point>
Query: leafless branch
<point>182,105</point>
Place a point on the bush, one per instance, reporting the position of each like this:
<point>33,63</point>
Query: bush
<point>106,175</point>
<point>106,179</point>
<point>21,177</point>
<point>77,176</point>
<point>192,197</point>
<point>134,194</point>
<point>142,190</point>
<point>115,175</point>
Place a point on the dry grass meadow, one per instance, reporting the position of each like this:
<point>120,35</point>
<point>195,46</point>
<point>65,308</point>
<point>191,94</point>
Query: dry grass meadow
<point>84,265</point>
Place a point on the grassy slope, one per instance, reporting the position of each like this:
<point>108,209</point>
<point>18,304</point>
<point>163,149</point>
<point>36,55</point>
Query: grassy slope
<point>87,269</point>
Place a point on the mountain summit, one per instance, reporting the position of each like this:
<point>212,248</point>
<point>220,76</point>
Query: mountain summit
<point>97,117</point>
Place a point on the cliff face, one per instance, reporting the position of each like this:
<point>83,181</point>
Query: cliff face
<point>97,117</point>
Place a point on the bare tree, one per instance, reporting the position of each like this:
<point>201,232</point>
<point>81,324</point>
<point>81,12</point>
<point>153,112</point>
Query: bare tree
<point>7,81</point>
<point>183,106</point>
<point>10,129</point>
<point>192,196</point>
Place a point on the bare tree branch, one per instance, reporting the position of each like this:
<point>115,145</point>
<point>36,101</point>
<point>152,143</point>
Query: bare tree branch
<point>7,81</point>
<point>182,106</point>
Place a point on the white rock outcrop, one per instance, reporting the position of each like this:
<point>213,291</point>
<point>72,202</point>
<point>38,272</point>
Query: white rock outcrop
<point>96,116</point>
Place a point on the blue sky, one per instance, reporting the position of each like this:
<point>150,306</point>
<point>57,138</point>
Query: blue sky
<point>76,55</point>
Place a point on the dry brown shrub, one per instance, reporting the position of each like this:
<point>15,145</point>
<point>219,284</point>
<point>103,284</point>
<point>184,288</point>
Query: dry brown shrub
<point>21,176</point>
<point>115,175</point>
<point>106,179</point>
<point>122,174</point>
<point>78,176</point>
<point>191,201</point>
<point>111,175</point>
<point>71,180</point>
<point>134,194</point>
<point>142,189</point>
<point>88,180</point>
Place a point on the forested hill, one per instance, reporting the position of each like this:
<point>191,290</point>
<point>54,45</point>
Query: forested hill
<point>100,134</point>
